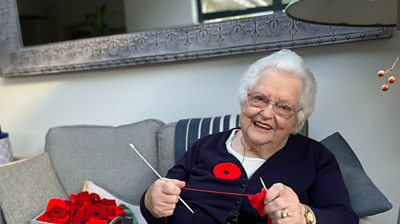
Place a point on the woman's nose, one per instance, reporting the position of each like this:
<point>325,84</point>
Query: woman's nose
<point>267,112</point>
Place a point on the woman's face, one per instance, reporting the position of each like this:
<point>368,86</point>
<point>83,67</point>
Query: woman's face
<point>263,125</point>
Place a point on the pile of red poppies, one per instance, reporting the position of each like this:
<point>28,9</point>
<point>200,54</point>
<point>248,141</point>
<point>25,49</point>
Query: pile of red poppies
<point>84,207</point>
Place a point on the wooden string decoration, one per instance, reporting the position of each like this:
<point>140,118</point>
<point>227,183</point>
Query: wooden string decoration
<point>390,79</point>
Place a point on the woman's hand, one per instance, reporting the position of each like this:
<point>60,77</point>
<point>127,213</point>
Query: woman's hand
<point>162,196</point>
<point>283,206</point>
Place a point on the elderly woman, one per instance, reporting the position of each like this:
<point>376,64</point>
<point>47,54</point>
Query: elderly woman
<point>303,180</point>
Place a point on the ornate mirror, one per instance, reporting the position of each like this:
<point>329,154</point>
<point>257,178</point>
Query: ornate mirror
<point>157,45</point>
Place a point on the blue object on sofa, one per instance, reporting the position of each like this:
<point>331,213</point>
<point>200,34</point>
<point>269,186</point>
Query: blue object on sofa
<point>366,198</point>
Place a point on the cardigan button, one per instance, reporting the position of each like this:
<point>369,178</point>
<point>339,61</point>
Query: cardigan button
<point>237,202</point>
<point>243,185</point>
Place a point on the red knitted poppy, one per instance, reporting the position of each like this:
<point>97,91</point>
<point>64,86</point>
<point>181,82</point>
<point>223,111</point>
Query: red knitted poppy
<point>257,201</point>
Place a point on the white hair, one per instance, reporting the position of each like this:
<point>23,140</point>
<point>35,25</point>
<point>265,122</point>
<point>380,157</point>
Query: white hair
<point>287,61</point>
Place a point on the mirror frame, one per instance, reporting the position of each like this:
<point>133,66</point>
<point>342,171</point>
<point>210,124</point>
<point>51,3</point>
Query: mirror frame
<point>262,33</point>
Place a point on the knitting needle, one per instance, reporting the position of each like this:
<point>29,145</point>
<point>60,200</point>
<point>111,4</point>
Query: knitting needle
<point>148,164</point>
<point>263,184</point>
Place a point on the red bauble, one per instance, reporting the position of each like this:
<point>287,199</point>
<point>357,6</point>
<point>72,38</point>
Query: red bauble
<point>385,87</point>
<point>381,73</point>
<point>391,79</point>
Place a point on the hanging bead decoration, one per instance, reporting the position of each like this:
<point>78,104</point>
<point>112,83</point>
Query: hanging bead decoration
<point>390,77</point>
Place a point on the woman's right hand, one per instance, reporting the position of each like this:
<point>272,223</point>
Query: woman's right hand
<point>162,196</point>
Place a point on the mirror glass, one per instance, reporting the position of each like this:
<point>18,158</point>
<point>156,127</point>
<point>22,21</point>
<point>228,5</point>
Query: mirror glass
<point>49,21</point>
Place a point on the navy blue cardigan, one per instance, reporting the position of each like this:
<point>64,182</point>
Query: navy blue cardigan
<point>303,164</point>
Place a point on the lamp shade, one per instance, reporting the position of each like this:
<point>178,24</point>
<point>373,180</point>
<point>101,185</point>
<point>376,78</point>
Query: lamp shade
<point>345,12</point>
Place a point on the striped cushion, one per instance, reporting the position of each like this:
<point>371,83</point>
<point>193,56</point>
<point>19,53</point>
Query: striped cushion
<point>188,131</point>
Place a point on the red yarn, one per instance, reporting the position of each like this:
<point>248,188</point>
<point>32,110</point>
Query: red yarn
<point>215,192</point>
<point>256,200</point>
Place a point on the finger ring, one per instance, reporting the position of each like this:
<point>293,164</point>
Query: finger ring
<point>284,213</point>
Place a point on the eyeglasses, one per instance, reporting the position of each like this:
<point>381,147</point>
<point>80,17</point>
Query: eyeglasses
<point>281,109</point>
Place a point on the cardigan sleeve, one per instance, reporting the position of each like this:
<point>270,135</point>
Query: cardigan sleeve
<point>147,215</point>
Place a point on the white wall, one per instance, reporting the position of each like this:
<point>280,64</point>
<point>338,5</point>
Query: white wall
<point>349,101</point>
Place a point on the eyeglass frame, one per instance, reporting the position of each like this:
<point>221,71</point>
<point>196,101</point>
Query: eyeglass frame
<point>275,106</point>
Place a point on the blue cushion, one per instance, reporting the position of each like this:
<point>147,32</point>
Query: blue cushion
<point>366,198</point>
<point>188,131</point>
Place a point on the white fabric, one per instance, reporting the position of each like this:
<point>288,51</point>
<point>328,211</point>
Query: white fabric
<point>250,165</point>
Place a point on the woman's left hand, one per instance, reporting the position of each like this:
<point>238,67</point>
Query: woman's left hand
<point>283,206</point>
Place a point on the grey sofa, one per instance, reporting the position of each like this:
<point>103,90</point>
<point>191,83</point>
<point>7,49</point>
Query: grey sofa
<point>102,154</point>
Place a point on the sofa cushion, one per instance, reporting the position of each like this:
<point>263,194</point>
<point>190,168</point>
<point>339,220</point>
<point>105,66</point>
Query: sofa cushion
<point>188,131</point>
<point>25,188</point>
<point>366,198</point>
<point>102,154</point>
